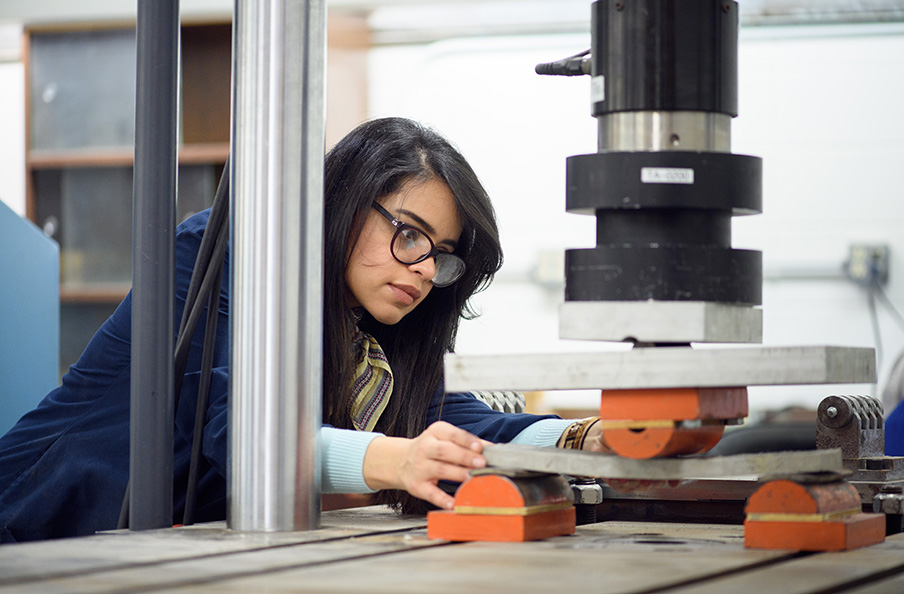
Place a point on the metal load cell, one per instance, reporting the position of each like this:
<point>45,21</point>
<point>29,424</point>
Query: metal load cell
<point>664,184</point>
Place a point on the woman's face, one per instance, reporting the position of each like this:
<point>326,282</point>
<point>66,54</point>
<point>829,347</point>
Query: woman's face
<point>385,287</point>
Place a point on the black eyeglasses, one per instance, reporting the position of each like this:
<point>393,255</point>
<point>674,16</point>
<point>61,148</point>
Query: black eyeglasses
<point>410,245</point>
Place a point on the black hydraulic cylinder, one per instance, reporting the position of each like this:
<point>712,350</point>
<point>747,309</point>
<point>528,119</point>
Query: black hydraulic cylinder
<point>666,55</point>
<point>664,185</point>
<point>153,264</point>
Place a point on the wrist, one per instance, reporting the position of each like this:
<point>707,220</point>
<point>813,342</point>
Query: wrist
<point>382,461</point>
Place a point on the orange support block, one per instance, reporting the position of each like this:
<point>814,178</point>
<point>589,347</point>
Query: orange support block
<point>511,507</point>
<point>674,404</point>
<point>450,525</point>
<point>849,533</point>
<point>784,514</point>
<point>643,424</point>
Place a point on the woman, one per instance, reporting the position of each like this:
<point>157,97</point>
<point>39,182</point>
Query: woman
<point>410,235</point>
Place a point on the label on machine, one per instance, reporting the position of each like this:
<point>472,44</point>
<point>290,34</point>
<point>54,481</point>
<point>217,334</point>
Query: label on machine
<point>597,88</point>
<point>666,175</point>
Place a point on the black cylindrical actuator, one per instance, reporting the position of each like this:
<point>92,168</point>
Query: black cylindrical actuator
<point>665,55</point>
<point>664,184</point>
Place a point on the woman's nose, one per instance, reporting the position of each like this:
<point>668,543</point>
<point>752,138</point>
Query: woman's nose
<point>426,268</point>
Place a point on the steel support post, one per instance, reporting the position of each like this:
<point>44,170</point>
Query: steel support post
<point>277,185</point>
<point>154,216</point>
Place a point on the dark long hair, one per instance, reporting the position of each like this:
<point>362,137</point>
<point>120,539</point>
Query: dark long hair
<point>374,160</point>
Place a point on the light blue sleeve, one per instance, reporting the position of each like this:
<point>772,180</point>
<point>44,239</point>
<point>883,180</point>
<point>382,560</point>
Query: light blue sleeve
<point>342,460</point>
<point>545,432</point>
<point>342,452</point>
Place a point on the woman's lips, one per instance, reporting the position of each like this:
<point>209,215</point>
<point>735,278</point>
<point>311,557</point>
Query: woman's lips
<point>406,293</point>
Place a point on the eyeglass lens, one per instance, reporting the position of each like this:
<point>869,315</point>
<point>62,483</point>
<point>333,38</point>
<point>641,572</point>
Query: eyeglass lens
<point>411,246</point>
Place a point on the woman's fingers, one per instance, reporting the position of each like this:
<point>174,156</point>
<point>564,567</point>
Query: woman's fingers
<point>452,453</point>
<point>427,489</point>
<point>447,432</point>
<point>437,497</point>
<point>441,452</point>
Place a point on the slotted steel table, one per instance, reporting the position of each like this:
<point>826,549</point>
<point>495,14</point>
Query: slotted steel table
<point>374,550</point>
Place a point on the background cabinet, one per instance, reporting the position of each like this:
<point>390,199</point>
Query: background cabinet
<point>80,133</point>
<point>80,118</point>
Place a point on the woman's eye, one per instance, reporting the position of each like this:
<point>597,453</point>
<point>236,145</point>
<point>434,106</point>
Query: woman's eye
<point>410,237</point>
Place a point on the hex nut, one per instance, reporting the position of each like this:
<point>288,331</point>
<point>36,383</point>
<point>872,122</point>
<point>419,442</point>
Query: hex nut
<point>591,493</point>
<point>888,503</point>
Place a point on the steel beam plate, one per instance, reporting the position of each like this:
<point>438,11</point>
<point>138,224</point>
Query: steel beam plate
<point>577,463</point>
<point>661,321</point>
<point>663,367</point>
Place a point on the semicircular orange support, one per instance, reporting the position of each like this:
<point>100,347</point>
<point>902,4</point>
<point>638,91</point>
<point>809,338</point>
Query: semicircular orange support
<point>649,423</point>
<point>659,442</point>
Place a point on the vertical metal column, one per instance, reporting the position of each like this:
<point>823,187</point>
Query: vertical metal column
<point>153,263</point>
<point>277,184</point>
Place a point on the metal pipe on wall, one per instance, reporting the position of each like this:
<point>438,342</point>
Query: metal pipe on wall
<point>277,211</point>
<point>153,263</point>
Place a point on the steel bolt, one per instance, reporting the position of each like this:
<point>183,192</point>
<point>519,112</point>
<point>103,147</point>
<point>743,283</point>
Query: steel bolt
<point>831,412</point>
<point>888,503</point>
<point>587,493</point>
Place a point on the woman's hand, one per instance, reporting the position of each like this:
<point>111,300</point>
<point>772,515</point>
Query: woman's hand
<point>441,452</point>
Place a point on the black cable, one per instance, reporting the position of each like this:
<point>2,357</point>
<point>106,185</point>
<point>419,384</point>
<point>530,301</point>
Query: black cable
<point>201,279</point>
<point>891,307</point>
<point>874,319</point>
<point>891,394</point>
<point>183,343</point>
<point>124,510</point>
<point>570,66</point>
<point>210,336</point>
<point>213,246</point>
<point>209,291</point>
<point>218,212</point>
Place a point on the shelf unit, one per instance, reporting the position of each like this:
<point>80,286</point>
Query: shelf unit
<point>80,123</point>
<point>80,130</point>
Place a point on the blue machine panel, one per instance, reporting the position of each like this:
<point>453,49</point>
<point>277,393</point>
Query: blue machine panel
<point>29,316</point>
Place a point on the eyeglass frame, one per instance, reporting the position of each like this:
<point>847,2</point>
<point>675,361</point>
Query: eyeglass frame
<point>434,251</point>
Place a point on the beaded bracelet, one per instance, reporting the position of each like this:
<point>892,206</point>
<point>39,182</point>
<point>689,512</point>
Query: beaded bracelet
<point>576,433</point>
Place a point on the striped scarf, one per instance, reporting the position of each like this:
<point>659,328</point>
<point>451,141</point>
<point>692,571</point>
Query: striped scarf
<point>372,384</point>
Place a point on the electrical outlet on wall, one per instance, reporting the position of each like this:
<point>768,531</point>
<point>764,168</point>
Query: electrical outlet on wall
<point>867,264</point>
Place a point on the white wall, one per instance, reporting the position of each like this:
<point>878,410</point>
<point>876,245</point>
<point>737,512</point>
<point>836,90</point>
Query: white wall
<point>821,106</point>
<point>12,136</point>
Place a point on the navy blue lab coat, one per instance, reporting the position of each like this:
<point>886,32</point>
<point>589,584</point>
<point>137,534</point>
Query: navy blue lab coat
<point>64,466</point>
